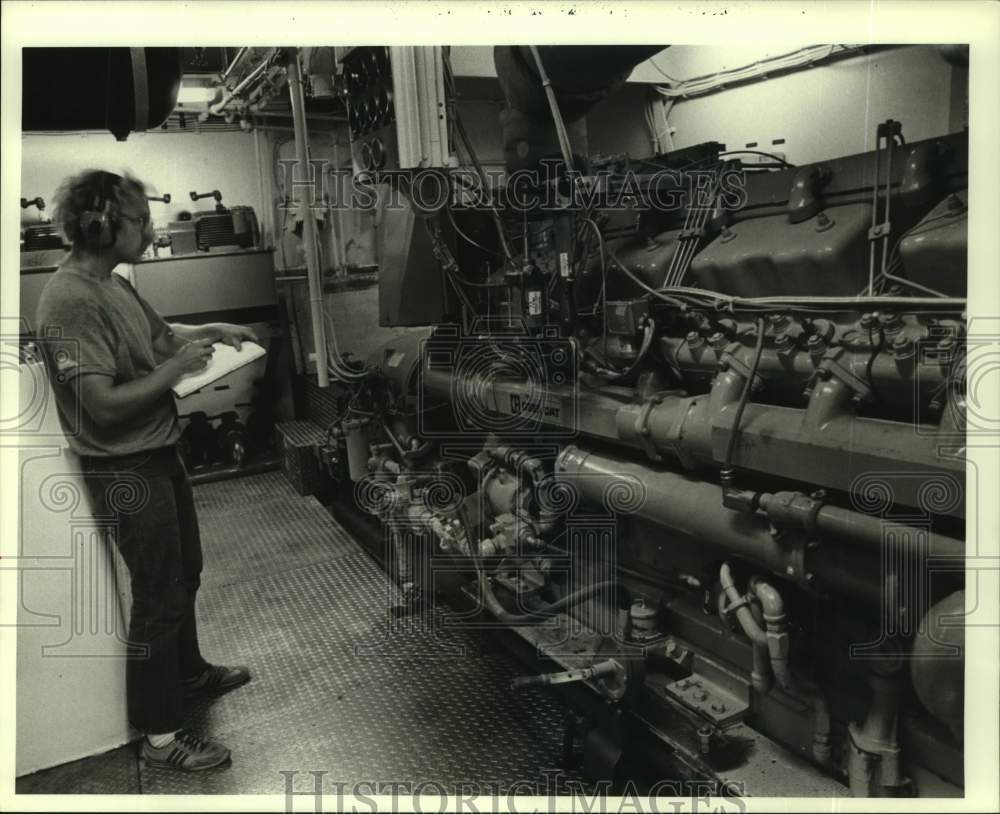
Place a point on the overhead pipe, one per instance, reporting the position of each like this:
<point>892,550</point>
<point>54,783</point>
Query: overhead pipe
<point>316,305</point>
<point>228,95</point>
<point>240,53</point>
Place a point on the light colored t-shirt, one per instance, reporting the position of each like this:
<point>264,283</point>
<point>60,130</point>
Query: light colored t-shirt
<point>102,327</point>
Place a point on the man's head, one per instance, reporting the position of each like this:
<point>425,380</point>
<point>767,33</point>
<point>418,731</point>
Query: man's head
<point>100,212</point>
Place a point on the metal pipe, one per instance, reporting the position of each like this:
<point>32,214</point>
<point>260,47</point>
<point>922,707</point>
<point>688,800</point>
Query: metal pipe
<point>873,759</point>
<point>835,523</point>
<point>762,675</point>
<point>337,221</point>
<point>557,119</point>
<point>694,430</point>
<point>778,647</point>
<point>690,507</point>
<point>316,305</point>
<point>240,53</point>
<point>229,95</point>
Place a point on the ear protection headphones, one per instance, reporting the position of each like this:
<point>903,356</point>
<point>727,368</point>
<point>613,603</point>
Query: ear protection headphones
<point>97,225</point>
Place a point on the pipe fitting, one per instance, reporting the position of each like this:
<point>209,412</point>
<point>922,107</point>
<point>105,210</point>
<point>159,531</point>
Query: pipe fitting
<point>761,676</point>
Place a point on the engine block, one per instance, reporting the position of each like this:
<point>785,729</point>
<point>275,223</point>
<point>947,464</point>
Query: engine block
<point>702,462</point>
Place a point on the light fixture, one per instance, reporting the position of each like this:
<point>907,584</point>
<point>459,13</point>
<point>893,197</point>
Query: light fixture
<point>197,95</point>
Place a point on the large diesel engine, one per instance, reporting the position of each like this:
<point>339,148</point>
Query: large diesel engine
<point>688,434</point>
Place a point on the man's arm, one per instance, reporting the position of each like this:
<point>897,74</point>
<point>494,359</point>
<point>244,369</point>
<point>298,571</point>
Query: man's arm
<point>216,332</point>
<point>108,403</point>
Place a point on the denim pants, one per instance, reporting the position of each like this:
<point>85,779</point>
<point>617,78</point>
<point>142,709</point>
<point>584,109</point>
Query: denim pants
<point>146,498</point>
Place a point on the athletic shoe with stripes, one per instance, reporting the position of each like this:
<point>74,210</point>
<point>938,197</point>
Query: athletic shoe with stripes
<point>186,753</point>
<point>216,678</point>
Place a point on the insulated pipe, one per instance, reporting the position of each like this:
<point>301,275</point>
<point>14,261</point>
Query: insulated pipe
<point>691,507</point>
<point>316,306</point>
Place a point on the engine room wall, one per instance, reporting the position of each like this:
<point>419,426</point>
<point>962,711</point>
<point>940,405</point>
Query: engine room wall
<point>815,111</point>
<point>330,146</point>
<point>168,162</point>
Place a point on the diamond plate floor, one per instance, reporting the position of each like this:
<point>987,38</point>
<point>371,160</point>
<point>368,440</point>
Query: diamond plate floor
<point>339,686</point>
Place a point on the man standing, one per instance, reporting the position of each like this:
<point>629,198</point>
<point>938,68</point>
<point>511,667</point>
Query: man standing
<point>112,361</point>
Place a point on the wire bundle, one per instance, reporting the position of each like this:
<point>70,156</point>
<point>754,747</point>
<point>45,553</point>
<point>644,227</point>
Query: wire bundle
<point>762,68</point>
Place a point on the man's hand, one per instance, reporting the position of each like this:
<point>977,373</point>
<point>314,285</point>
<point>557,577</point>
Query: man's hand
<point>191,358</point>
<point>234,334</point>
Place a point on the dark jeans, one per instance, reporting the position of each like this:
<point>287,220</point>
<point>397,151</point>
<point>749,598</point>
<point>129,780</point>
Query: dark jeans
<point>147,499</point>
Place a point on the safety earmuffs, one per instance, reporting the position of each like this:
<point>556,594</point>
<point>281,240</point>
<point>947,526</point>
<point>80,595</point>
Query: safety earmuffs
<point>98,227</point>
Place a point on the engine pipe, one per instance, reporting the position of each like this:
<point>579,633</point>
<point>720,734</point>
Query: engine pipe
<point>762,674</point>
<point>690,507</point>
<point>771,654</point>
<point>778,646</point>
<point>826,445</point>
<point>834,522</point>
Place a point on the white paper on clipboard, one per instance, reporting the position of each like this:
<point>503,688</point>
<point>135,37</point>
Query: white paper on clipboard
<point>225,360</point>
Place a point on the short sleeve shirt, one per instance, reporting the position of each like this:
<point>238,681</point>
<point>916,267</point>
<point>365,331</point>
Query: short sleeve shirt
<point>89,326</point>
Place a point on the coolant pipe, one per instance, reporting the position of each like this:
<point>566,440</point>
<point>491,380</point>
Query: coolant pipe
<point>316,306</point>
<point>778,647</point>
<point>762,675</point>
<point>690,507</point>
<point>832,522</point>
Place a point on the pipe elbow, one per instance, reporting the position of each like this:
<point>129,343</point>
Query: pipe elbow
<point>770,600</point>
